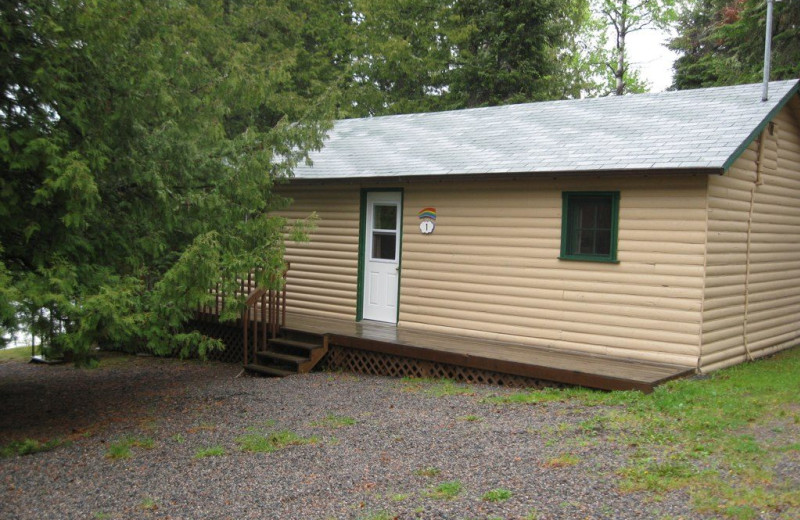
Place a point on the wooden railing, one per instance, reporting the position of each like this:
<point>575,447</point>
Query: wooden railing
<point>262,319</point>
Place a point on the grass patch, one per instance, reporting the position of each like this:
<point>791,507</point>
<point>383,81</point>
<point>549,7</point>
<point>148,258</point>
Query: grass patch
<point>436,387</point>
<point>334,421</point>
<point>430,471</point>
<point>267,443</point>
<point>399,497</point>
<point>211,451</point>
<point>148,504</point>
<point>722,422</point>
<point>446,490</point>
<point>471,418</point>
<point>562,461</point>
<point>29,447</point>
<point>497,495</point>
<point>10,354</point>
<point>122,448</point>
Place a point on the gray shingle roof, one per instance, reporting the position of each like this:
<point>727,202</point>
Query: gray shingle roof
<point>690,129</point>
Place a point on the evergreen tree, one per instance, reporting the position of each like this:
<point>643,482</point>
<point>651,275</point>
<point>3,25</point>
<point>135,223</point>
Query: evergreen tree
<point>513,51</point>
<point>139,144</point>
<point>722,42</point>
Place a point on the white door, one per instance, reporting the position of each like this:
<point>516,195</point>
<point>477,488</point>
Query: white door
<point>382,256</point>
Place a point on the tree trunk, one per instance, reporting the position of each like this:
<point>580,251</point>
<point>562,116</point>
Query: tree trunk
<point>622,31</point>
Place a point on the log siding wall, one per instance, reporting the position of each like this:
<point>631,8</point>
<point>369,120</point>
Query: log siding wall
<point>323,279</point>
<point>752,293</point>
<point>491,267</point>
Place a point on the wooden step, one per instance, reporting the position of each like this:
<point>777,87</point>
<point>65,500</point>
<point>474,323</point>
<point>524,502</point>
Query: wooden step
<point>268,371</point>
<point>291,343</point>
<point>288,358</point>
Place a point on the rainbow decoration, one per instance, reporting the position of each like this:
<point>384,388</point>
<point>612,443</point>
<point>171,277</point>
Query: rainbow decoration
<point>429,213</point>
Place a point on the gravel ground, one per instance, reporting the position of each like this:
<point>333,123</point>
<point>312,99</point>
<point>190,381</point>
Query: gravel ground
<point>372,469</point>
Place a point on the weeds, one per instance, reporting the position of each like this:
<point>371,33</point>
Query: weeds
<point>562,461</point>
<point>430,471</point>
<point>446,490</point>
<point>122,448</point>
<point>211,451</point>
<point>148,504</point>
<point>496,495</point>
<point>267,443</point>
<point>436,387</point>
<point>29,447</point>
<point>334,421</point>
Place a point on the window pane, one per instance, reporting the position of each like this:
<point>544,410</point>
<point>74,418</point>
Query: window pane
<point>604,215</point>
<point>384,217</point>
<point>588,210</point>
<point>384,246</point>
<point>586,243</point>
<point>602,242</point>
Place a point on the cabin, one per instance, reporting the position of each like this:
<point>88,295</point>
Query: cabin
<point>614,242</point>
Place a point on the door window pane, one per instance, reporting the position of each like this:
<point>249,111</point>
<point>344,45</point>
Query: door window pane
<point>384,217</point>
<point>384,246</point>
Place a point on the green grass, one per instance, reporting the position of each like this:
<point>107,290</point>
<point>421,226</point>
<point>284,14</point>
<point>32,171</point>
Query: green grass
<point>15,354</point>
<point>148,504</point>
<point>122,448</point>
<point>562,461</point>
<point>399,497</point>
<point>118,450</point>
<point>446,490</point>
<point>430,471</point>
<point>211,451</point>
<point>334,421</point>
<point>436,387</point>
<point>267,443</point>
<point>29,447</point>
<point>497,495</point>
<point>471,418</point>
<point>711,437</point>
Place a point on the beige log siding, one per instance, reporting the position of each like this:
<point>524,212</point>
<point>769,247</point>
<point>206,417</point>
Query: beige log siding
<point>491,267</point>
<point>757,310</point>
<point>324,272</point>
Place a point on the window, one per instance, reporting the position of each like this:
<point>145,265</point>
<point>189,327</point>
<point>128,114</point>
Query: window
<point>384,232</point>
<point>589,226</point>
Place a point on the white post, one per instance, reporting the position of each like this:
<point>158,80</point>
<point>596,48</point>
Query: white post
<point>767,52</point>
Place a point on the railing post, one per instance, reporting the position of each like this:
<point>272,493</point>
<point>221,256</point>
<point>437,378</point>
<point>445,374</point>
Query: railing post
<point>244,346</point>
<point>263,321</point>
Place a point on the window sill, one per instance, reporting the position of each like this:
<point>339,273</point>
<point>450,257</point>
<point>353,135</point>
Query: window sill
<point>589,259</point>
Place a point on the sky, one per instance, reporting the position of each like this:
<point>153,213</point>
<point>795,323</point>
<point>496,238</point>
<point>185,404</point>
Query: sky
<point>646,51</point>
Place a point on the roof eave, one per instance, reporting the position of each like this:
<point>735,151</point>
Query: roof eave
<point>511,175</point>
<point>761,126</point>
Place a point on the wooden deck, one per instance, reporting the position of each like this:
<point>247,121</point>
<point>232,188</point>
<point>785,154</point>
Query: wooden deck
<point>594,371</point>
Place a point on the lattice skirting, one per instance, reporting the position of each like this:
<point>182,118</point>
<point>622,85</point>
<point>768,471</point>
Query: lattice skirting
<point>376,363</point>
<point>231,336</point>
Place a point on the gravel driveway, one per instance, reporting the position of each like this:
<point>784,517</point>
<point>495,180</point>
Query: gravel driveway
<point>363,448</point>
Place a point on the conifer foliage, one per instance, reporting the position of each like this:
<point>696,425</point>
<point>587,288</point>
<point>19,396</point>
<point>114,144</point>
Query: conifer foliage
<point>722,42</point>
<point>139,144</point>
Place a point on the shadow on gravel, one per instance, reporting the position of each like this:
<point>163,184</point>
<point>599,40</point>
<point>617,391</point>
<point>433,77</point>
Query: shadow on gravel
<point>44,401</point>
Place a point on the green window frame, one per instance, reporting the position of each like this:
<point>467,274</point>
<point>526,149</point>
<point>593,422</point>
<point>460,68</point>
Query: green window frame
<point>589,226</point>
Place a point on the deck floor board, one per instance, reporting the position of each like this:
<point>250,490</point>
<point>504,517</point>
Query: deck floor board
<point>592,370</point>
